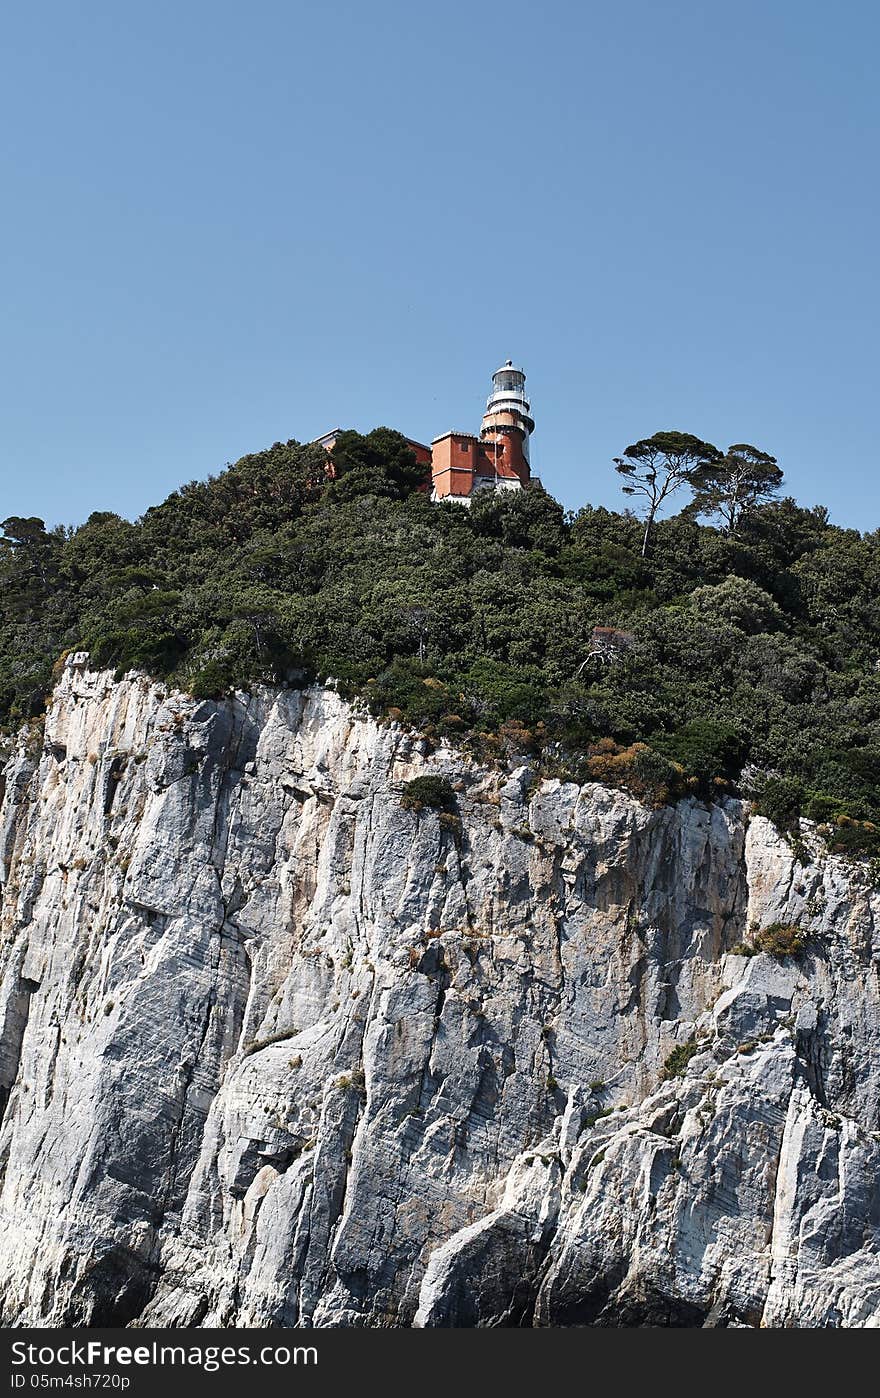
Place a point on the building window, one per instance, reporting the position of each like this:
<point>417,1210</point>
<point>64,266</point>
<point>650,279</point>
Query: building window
<point>463,446</point>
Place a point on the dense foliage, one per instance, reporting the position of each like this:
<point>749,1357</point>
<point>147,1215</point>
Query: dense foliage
<point>753,648</point>
<point>431,790</point>
<point>780,939</point>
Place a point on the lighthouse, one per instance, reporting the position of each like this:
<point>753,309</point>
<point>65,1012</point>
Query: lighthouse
<point>497,459</point>
<point>507,412</point>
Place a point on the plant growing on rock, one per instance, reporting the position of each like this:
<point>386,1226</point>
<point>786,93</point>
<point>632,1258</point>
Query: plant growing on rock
<point>637,769</point>
<point>678,1059</point>
<point>778,939</point>
<point>255,1045</point>
<point>431,791</point>
<point>780,800</point>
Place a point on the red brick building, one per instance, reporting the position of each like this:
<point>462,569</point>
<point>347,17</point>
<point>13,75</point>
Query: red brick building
<point>458,464</point>
<point>497,459</point>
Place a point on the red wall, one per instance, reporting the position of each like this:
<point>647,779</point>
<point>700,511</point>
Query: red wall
<point>454,460</point>
<point>458,459</point>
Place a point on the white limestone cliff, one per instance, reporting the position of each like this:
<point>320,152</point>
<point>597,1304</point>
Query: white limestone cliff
<point>276,1051</point>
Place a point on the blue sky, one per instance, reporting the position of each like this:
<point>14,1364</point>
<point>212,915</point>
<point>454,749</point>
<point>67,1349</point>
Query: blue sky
<point>229,224</point>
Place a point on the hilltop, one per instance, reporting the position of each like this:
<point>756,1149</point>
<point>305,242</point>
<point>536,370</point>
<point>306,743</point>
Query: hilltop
<point>725,661</point>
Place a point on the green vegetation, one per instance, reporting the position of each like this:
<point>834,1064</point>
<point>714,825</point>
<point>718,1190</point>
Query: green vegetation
<point>255,1045</point>
<point>678,1060</point>
<point>780,799</point>
<point>658,466</point>
<point>741,654</point>
<point>779,939</point>
<point>733,485</point>
<point>432,791</point>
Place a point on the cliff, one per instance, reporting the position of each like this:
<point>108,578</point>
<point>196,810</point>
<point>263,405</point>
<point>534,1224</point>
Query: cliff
<point>276,1051</point>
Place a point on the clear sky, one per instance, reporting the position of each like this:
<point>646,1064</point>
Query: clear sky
<point>228,224</point>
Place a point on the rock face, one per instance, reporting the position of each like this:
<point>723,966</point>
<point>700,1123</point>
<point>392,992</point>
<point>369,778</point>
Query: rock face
<point>276,1051</point>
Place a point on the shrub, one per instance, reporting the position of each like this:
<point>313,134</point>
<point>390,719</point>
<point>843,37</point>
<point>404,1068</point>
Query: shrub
<point>516,738</point>
<point>637,769</point>
<point>781,800</point>
<point>779,939</point>
<point>432,791</point>
<point>255,1045</point>
<point>212,681</point>
<point>678,1060</point>
<point>738,602</point>
<point>859,838</point>
<point>821,808</point>
<point>353,1079</point>
<point>659,779</point>
<point>416,697</point>
<point>705,749</point>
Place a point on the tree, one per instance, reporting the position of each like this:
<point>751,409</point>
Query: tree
<point>735,484</point>
<point>738,602</point>
<point>527,518</point>
<point>30,537</point>
<point>380,463</point>
<point>657,466</point>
